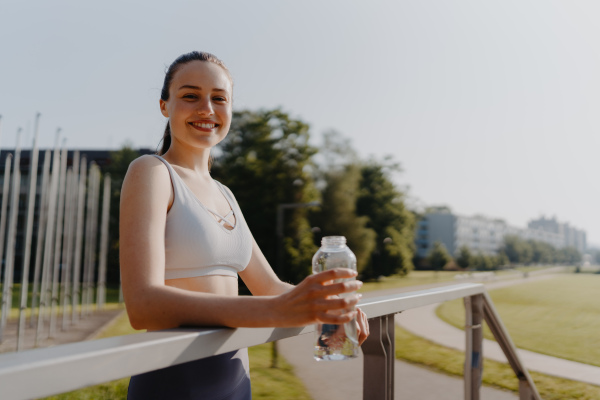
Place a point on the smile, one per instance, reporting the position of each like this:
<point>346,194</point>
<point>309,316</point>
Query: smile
<point>204,125</point>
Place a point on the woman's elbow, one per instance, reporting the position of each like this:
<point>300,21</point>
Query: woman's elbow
<point>137,319</point>
<point>145,313</point>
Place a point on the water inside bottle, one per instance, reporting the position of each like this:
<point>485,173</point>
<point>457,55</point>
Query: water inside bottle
<point>336,342</point>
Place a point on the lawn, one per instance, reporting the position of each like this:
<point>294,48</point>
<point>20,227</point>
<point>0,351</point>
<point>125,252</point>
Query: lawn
<point>442,359</point>
<point>558,317</point>
<point>417,278</point>
<point>414,278</point>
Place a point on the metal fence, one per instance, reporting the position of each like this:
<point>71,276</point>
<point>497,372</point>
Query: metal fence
<point>68,263</point>
<point>43,372</point>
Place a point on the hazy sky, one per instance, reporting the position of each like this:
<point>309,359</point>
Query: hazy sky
<point>490,107</point>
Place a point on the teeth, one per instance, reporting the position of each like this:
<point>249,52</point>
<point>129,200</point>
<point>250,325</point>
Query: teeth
<point>203,125</point>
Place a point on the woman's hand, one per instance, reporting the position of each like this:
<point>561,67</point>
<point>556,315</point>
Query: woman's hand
<point>316,300</point>
<point>362,326</point>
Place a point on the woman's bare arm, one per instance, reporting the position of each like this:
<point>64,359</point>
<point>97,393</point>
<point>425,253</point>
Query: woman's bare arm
<point>259,276</point>
<point>151,304</point>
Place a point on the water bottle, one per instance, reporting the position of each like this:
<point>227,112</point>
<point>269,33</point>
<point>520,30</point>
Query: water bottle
<point>335,342</point>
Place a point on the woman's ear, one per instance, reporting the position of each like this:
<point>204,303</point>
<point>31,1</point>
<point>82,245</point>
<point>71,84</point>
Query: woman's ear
<point>163,108</point>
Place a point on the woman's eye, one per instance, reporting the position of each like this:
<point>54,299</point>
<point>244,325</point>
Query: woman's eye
<point>219,98</point>
<point>189,96</point>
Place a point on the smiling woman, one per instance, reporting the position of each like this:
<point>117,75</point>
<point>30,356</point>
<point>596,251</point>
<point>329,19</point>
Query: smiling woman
<point>184,240</point>
<point>191,93</point>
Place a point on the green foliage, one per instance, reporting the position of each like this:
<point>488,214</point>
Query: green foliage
<point>119,163</point>
<point>570,255</point>
<point>542,253</point>
<point>339,173</point>
<point>265,161</point>
<point>465,257</point>
<point>438,257</point>
<point>520,251</point>
<point>484,262</point>
<point>394,225</point>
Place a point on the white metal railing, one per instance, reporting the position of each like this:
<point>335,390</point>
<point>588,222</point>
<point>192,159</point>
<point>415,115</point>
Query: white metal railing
<point>48,371</point>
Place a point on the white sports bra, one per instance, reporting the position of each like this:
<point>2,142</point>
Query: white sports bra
<point>196,244</point>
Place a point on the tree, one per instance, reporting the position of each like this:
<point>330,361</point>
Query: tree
<point>438,256</point>
<point>542,253</point>
<point>339,176</point>
<point>570,255</point>
<point>465,257</point>
<point>484,262</point>
<point>517,250</point>
<point>265,161</point>
<point>502,259</point>
<point>394,225</point>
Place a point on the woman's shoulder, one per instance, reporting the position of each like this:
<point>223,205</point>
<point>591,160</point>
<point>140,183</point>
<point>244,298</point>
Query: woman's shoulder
<point>147,168</point>
<point>147,163</point>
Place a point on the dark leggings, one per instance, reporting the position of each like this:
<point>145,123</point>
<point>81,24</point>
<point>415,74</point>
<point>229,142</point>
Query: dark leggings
<point>221,377</point>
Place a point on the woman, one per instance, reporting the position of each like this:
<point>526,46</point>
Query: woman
<point>183,241</point>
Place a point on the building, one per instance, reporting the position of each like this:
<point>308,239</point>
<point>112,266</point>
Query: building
<point>486,235</point>
<point>570,236</point>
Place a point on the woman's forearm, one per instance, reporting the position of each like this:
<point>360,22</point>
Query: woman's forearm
<point>163,307</point>
<point>169,307</point>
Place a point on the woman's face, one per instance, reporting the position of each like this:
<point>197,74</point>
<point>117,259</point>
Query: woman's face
<point>199,105</point>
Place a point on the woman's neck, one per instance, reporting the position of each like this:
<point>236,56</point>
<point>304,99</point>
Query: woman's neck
<point>194,159</point>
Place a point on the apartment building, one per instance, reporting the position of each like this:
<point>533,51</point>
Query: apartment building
<point>485,235</point>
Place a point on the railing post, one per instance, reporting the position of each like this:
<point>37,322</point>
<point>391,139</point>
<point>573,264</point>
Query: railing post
<point>379,356</point>
<point>474,346</point>
<point>525,392</point>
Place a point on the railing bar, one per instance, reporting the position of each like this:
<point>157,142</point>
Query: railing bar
<point>385,305</point>
<point>98,361</point>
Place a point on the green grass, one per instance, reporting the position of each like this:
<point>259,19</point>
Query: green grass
<point>417,278</point>
<point>112,299</point>
<point>420,351</point>
<point>414,278</point>
<point>559,317</point>
<point>267,383</point>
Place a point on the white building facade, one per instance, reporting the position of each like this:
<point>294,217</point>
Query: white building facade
<point>486,235</point>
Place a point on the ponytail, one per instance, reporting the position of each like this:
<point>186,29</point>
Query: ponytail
<point>166,140</point>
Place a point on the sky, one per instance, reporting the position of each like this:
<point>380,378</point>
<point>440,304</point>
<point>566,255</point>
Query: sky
<point>490,107</point>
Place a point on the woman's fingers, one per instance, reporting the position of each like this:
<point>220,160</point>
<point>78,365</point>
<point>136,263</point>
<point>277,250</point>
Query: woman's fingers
<point>332,274</point>
<point>362,325</point>
<point>337,304</point>
<point>329,318</point>
<point>340,288</point>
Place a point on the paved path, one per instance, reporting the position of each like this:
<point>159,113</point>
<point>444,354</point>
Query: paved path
<point>343,380</point>
<point>424,322</point>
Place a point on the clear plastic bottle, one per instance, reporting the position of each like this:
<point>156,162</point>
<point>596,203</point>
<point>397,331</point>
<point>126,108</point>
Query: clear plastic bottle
<point>335,342</point>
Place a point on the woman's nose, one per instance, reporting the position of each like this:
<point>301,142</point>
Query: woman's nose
<point>205,107</point>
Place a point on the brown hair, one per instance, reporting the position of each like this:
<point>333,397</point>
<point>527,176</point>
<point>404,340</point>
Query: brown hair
<point>173,68</point>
